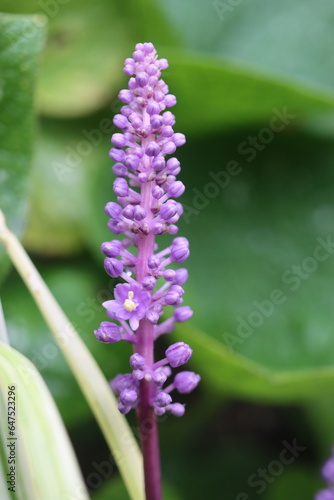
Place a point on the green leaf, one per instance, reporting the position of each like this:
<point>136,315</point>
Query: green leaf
<point>234,374</point>
<point>86,46</point>
<point>231,94</point>
<point>58,179</point>
<point>38,429</point>
<point>21,40</point>
<point>274,215</point>
<point>296,481</point>
<point>276,38</point>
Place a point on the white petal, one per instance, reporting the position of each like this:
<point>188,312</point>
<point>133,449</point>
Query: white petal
<point>134,323</point>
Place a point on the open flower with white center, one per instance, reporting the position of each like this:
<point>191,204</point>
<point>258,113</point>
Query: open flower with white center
<point>131,303</point>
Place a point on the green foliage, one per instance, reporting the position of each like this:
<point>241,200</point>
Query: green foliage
<point>21,40</point>
<point>254,83</point>
<point>34,428</point>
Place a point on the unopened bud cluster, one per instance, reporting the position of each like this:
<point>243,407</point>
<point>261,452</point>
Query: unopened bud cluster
<point>146,189</point>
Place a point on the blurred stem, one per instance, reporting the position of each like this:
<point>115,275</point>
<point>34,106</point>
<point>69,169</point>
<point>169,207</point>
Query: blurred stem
<point>147,422</point>
<point>3,329</point>
<point>89,376</point>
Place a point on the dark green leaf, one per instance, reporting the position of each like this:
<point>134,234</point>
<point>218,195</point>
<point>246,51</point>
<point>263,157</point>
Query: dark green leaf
<point>21,40</point>
<point>289,41</point>
<point>86,48</point>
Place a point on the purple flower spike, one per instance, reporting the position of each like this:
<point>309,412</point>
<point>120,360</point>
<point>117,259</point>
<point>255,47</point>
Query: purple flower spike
<point>146,206</point>
<point>185,382</point>
<point>178,354</point>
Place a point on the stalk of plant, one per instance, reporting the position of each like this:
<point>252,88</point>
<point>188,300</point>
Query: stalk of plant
<point>146,189</point>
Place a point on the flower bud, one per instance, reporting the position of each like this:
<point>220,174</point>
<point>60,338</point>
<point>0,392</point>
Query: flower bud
<point>185,382</point>
<point>176,409</point>
<point>176,189</point>
<point>111,248</point>
<point>137,361</point>
<point>118,140</point>
<point>162,399</point>
<point>181,276</point>
<point>178,354</point>
<point>148,283</point>
<point>169,274</point>
<point>108,333</point>
<point>113,267</point>
<point>159,377</point>
<point>182,314</point>
<point>113,210</point>
<point>128,397</point>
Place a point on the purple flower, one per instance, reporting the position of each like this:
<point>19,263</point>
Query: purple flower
<point>131,303</point>
<point>145,206</point>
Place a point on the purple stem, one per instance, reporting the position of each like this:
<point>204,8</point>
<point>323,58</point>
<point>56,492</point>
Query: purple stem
<point>148,427</point>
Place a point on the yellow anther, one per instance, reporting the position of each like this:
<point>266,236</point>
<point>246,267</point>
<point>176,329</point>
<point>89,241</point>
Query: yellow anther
<point>129,305</point>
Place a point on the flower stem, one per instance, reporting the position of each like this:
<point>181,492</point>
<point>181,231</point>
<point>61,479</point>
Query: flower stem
<point>148,427</point>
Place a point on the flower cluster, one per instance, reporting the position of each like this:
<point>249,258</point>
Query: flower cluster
<point>127,386</point>
<point>328,475</point>
<point>146,189</point>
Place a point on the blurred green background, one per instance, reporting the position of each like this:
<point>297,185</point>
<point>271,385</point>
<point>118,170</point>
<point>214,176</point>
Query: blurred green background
<point>254,82</point>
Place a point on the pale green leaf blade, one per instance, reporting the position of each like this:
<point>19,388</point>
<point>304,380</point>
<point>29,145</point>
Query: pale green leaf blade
<point>45,463</point>
<point>85,369</point>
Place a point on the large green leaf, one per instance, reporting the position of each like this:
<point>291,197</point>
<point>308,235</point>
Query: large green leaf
<point>230,94</point>
<point>86,48</point>
<point>33,435</point>
<point>62,165</point>
<point>234,374</point>
<point>291,41</point>
<point>86,44</point>
<point>21,40</point>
